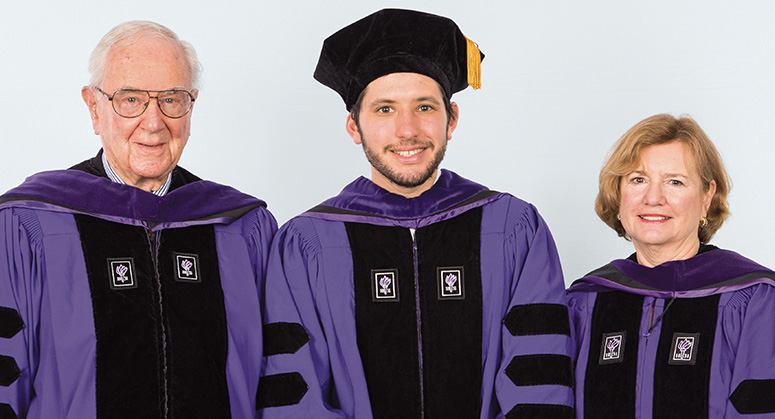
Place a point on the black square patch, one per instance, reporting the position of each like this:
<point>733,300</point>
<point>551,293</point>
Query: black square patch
<point>384,285</point>
<point>612,349</point>
<point>450,283</point>
<point>186,267</point>
<point>683,350</point>
<point>122,273</point>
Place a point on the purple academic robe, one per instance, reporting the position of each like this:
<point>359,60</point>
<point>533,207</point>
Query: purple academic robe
<point>447,305</point>
<point>690,338</point>
<point>116,303</point>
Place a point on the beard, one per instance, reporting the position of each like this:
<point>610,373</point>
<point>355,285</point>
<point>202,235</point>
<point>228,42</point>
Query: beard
<point>409,180</point>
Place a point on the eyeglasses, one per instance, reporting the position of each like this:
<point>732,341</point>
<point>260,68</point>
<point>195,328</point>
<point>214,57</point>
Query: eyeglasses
<point>131,103</point>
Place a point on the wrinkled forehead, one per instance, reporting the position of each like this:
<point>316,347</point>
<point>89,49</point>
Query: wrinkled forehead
<point>147,62</point>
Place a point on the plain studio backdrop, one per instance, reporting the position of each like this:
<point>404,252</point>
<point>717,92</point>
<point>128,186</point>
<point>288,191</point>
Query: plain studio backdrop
<point>562,81</point>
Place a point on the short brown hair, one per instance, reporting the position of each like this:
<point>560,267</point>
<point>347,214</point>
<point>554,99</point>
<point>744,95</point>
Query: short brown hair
<point>662,129</point>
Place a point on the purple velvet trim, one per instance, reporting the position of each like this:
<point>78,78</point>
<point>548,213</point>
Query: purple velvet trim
<point>89,194</point>
<point>406,223</point>
<point>375,205</point>
<point>700,271</point>
<point>189,223</point>
<point>597,284</point>
<point>714,272</point>
<point>362,195</point>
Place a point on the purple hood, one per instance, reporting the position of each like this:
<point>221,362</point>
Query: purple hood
<point>713,272</point>
<point>79,192</point>
<point>365,202</point>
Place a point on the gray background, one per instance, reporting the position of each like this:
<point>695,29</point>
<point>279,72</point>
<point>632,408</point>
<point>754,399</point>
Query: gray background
<point>562,81</point>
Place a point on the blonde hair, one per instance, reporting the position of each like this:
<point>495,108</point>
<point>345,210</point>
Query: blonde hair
<point>662,129</point>
<point>129,32</point>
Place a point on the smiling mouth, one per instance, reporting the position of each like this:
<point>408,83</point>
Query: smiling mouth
<point>653,217</point>
<point>408,153</point>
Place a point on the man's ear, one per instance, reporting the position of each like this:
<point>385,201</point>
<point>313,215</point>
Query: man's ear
<point>352,129</point>
<point>88,95</point>
<point>453,120</point>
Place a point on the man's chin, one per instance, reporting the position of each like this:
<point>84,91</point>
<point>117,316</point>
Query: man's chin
<point>152,173</point>
<point>410,181</point>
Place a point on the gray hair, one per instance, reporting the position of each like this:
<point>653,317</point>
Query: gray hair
<point>130,32</point>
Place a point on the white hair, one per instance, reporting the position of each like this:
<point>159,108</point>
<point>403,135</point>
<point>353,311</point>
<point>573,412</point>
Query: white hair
<point>130,32</point>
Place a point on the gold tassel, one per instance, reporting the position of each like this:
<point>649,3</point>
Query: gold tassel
<point>474,64</point>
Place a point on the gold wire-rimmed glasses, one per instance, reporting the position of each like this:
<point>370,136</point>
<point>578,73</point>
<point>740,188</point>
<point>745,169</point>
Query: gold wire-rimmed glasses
<point>131,103</point>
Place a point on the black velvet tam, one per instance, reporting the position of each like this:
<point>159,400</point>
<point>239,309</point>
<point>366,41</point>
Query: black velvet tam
<point>397,41</point>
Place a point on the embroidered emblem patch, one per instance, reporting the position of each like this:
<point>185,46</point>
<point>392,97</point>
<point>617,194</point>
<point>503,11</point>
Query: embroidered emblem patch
<point>187,267</point>
<point>384,285</point>
<point>684,349</point>
<point>122,273</point>
<point>612,350</point>
<point>450,283</point>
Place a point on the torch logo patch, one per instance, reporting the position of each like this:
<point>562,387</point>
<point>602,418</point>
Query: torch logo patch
<point>187,267</point>
<point>384,285</point>
<point>122,273</point>
<point>684,349</point>
<point>612,350</point>
<point>450,283</point>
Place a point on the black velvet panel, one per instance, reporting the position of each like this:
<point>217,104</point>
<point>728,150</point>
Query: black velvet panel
<point>6,411</point>
<point>682,390</point>
<point>609,388</point>
<point>128,324</point>
<point>542,411</point>
<point>284,338</point>
<point>10,322</point>
<point>445,381</point>
<point>387,330</point>
<point>536,370</point>
<point>9,371</point>
<point>161,345</point>
<point>195,316</point>
<point>754,396</point>
<point>280,390</point>
<point>451,329</point>
<point>538,319</point>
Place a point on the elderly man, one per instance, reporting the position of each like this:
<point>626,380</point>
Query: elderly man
<point>128,286</point>
<point>418,293</point>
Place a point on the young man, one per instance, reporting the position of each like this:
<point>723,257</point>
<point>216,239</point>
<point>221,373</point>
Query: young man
<point>128,286</point>
<point>418,293</point>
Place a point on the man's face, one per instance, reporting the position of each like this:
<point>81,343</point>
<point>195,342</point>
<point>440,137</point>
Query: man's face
<point>404,128</point>
<point>145,149</point>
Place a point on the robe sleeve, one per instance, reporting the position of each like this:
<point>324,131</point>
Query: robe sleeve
<point>21,269</point>
<point>296,378</point>
<point>259,235</point>
<point>749,340</point>
<point>535,378</point>
<point>579,305</point>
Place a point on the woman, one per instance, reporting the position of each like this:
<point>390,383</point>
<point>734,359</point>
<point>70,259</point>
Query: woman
<point>681,328</point>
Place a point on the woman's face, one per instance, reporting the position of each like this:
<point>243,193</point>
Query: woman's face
<point>663,199</point>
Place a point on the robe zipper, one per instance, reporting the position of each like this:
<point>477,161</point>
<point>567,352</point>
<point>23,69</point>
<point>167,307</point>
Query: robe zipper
<point>651,315</point>
<point>153,239</point>
<point>419,324</point>
<point>642,359</point>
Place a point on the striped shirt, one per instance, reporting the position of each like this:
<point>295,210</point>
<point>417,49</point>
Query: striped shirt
<point>114,177</point>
